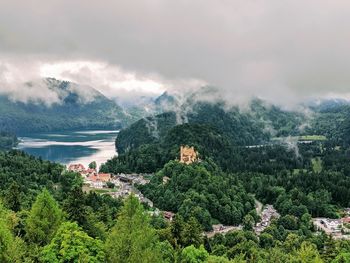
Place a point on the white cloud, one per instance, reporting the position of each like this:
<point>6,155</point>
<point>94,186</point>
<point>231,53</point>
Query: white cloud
<point>111,80</point>
<point>285,51</point>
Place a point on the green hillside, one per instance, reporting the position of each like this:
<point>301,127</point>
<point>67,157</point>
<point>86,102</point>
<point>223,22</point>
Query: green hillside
<point>71,113</point>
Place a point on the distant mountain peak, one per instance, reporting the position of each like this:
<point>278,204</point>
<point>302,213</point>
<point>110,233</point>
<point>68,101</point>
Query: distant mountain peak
<point>70,91</point>
<point>51,104</point>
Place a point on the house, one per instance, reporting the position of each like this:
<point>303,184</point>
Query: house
<point>105,177</point>
<point>330,226</point>
<point>88,172</point>
<point>168,215</point>
<point>98,180</point>
<point>165,179</point>
<point>188,155</point>
<point>267,215</point>
<point>78,168</point>
<point>218,227</point>
<point>333,224</point>
<point>346,220</point>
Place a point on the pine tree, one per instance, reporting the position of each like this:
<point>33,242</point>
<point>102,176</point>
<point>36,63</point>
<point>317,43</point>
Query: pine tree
<point>44,219</point>
<point>248,223</point>
<point>12,197</point>
<point>11,248</point>
<point>74,205</point>
<point>132,239</point>
<point>177,227</point>
<point>71,244</point>
<point>192,233</point>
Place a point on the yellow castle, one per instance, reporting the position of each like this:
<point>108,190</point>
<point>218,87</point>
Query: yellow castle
<point>188,155</point>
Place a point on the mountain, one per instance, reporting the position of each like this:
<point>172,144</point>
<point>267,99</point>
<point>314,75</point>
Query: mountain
<point>7,141</point>
<point>77,107</point>
<point>254,125</point>
<point>277,122</point>
<point>237,126</point>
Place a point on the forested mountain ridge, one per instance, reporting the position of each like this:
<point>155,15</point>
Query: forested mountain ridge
<point>238,126</point>
<point>75,107</point>
<point>256,124</point>
<point>7,141</point>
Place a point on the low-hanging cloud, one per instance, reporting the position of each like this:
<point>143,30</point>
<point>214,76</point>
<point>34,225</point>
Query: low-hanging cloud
<point>283,51</point>
<point>14,84</point>
<point>23,82</point>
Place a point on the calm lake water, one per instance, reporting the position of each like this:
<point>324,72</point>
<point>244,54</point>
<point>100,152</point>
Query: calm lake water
<point>71,146</point>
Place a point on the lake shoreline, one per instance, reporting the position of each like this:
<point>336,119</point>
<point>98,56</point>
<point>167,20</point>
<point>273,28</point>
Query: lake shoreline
<point>67,147</point>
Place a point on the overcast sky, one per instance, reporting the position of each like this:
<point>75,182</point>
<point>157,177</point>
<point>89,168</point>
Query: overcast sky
<point>281,50</point>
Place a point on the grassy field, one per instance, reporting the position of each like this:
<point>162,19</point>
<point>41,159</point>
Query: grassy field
<point>316,164</point>
<point>312,138</point>
<point>302,138</point>
<point>100,191</point>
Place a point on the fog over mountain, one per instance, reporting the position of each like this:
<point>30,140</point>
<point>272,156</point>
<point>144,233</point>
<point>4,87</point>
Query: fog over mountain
<point>284,51</point>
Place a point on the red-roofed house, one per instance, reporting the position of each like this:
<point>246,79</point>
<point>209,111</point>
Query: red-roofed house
<point>78,168</point>
<point>346,220</point>
<point>88,172</point>
<point>104,177</point>
<point>98,180</point>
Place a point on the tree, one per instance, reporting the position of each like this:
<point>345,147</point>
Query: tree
<point>192,233</point>
<point>71,244</point>
<point>266,240</point>
<point>177,227</point>
<point>110,185</point>
<point>288,222</point>
<point>132,238</point>
<point>191,254</point>
<point>248,223</point>
<point>11,248</point>
<point>292,242</point>
<point>93,165</point>
<point>74,205</point>
<point>308,253</point>
<point>44,219</point>
<point>13,197</point>
<point>342,258</point>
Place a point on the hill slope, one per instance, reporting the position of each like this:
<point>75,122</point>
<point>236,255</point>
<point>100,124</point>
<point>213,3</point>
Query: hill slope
<point>79,107</point>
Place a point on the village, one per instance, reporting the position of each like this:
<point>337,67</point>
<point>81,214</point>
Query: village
<point>122,185</point>
<point>267,214</point>
<point>116,185</point>
<point>337,228</point>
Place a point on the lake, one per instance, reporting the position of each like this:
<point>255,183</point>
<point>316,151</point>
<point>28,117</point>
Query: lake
<point>71,146</point>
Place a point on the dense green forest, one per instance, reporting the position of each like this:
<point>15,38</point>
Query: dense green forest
<point>201,191</point>
<point>46,217</point>
<point>303,175</point>
<point>7,141</point>
<point>237,126</point>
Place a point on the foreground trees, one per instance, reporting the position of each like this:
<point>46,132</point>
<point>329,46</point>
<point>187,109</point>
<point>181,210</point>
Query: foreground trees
<point>132,238</point>
<point>71,244</point>
<point>98,228</point>
<point>44,219</point>
<point>12,249</point>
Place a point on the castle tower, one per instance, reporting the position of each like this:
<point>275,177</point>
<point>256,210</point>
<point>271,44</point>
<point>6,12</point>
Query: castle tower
<point>187,155</point>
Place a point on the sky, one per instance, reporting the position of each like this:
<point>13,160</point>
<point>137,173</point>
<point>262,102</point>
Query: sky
<point>283,51</point>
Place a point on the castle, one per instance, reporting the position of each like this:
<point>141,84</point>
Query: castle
<point>188,155</point>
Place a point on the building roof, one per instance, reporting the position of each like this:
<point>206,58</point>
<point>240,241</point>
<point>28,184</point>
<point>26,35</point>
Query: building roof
<point>104,177</point>
<point>78,166</point>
